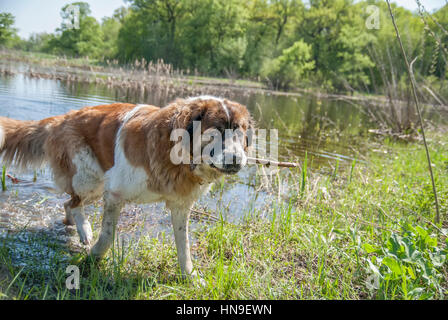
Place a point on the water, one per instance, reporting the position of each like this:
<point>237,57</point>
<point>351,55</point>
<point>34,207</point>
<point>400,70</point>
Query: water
<point>329,131</point>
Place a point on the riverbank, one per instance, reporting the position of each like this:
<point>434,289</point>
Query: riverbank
<point>361,232</point>
<point>144,76</point>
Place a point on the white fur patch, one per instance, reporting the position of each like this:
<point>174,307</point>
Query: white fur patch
<point>124,180</point>
<point>2,137</point>
<point>88,179</point>
<point>206,97</point>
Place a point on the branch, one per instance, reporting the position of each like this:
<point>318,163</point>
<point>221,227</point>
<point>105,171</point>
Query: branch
<point>268,163</point>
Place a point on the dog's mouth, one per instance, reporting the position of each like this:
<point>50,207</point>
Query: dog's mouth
<point>227,169</point>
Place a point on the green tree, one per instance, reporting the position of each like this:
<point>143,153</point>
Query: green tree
<point>38,42</point>
<point>110,29</point>
<point>150,30</point>
<point>7,32</point>
<point>352,70</point>
<point>291,67</point>
<point>222,43</point>
<point>85,39</point>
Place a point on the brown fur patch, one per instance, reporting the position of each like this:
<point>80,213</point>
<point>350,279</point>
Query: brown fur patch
<point>146,139</point>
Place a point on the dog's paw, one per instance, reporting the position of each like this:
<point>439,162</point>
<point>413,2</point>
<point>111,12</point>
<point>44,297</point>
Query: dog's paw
<point>85,233</point>
<point>197,280</point>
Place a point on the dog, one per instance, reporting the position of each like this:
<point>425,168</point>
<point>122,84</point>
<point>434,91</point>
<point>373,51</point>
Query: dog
<point>123,153</point>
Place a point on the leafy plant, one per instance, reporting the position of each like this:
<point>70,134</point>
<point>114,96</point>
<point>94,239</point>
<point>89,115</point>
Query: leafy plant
<point>408,265</point>
<point>287,70</point>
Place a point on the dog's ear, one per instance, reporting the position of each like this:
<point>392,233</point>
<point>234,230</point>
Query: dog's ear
<point>185,113</point>
<point>250,133</point>
<point>196,116</point>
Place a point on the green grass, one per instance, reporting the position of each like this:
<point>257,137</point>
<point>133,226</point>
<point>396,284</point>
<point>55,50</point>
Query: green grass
<point>3,178</point>
<point>46,59</point>
<point>363,232</point>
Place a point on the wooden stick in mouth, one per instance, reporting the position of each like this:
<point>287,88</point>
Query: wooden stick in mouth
<point>268,163</point>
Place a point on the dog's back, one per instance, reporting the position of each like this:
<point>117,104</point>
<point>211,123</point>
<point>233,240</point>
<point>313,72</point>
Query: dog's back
<point>79,147</point>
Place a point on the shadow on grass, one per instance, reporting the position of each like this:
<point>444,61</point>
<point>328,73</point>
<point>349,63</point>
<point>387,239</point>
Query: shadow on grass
<point>33,265</point>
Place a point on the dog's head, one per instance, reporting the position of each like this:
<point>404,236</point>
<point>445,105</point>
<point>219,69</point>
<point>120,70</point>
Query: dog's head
<point>219,130</point>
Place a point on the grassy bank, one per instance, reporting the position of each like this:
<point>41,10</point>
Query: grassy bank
<point>363,232</point>
<point>114,68</point>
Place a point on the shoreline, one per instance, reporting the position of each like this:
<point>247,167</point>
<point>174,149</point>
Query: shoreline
<point>88,71</point>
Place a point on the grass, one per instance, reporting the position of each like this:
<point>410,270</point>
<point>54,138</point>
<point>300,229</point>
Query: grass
<point>95,70</point>
<point>3,178</point>
<point>362,231</point>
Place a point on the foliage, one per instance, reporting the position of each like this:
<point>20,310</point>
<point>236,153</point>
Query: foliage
<point>409,264</point>
<point>290,68</point>
<point>235,38</point>
<point>7,32</point>
<point>72,40</point>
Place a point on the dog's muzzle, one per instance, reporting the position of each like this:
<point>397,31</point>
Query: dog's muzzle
<point>231,162</point>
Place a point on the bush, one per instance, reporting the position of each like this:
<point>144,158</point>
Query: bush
<point>288,69</point>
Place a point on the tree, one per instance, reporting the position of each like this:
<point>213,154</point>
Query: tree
<point>291,67</point>
<point>7,32</point>
<point>151,29</point>
<point>207,35</point>
<point>284,10</point>
<point>86,39</point>
<point>218,36</point>
<point>110,29</point>
<point>38,42</point>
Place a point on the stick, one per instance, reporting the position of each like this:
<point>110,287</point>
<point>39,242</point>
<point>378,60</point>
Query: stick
<point>417,106</point>
<point>268,163</point>
<point>206,214</point>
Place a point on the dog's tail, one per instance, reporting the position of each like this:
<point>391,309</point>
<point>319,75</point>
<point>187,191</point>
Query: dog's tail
<point>22,142</point>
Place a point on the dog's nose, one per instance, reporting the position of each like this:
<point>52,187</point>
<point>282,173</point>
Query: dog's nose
<point>232,162</point>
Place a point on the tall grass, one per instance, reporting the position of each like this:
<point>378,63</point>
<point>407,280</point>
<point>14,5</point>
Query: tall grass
<point>304,173</point>
<point>417,106</point>
<point>3,178</point>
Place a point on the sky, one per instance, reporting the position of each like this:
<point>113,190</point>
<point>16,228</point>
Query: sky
<point>44,15</point>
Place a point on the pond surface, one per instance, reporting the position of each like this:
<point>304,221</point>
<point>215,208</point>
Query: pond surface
<point>328,131</point>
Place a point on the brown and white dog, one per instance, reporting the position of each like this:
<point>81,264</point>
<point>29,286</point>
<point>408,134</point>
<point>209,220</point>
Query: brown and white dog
<point>122,152</point>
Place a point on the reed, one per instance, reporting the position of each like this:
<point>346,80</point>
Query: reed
<point>3,177</point>
<point>304,174</point>
<point>352,169</point>
<point>417,106</point>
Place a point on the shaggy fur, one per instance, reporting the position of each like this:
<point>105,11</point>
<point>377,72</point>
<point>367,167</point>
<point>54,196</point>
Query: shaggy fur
<point>122,152</point>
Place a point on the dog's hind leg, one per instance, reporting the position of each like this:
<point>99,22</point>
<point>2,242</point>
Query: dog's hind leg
<point>68,220</point>
<point>75,215</point>
<point>87,184</point>
<point>112,208</point>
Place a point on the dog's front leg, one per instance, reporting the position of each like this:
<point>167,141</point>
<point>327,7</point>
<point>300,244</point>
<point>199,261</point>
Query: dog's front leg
<point>180,215</point>
<point>179,219</point>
